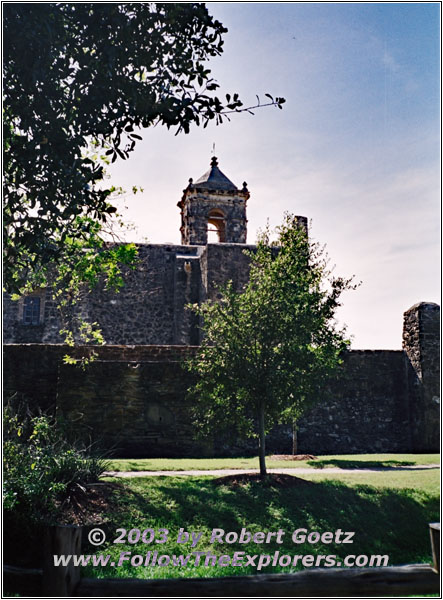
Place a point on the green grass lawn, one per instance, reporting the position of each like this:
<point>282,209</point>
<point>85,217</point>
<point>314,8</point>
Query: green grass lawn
<point>427,481</point>
<point>389,513</point>
<point>345,461</point>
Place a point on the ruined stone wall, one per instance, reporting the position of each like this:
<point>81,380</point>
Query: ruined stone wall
<point>31,374</point>
<point>421,343</point>
<point>149,308</point>
<point>224,262</point>
<point>366,409</point>
<point>133,400</point>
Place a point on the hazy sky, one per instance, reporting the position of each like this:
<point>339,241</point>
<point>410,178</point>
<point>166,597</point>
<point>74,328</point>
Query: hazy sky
<point>356,148</point>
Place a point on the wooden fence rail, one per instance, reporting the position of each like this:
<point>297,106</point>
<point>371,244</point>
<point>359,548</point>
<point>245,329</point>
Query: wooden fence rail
<point>387,581</point>
<point>66,581</point>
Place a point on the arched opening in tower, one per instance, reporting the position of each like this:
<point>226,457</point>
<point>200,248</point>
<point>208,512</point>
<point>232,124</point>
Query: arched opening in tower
<point>216,226</point>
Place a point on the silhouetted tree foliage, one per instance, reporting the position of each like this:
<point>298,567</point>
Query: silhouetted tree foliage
<point>82,76</point>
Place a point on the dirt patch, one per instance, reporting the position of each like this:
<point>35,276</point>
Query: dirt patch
<point>87,505</point>
<point>293,457</point>
<point>280,480</point>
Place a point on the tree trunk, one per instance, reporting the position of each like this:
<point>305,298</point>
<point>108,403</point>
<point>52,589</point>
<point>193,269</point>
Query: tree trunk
<point>261,437</point>
<point>294,438</point>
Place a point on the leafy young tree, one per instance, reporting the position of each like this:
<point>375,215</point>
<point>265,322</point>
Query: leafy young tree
<point>269,350</point>
<point>77,74</point>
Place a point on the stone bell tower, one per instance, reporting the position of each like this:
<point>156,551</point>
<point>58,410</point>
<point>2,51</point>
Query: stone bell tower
<point>213,203</point>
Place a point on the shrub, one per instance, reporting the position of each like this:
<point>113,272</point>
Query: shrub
<point>41,467</point>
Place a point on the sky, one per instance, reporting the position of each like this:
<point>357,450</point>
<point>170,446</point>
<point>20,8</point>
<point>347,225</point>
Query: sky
<point>356,148</point>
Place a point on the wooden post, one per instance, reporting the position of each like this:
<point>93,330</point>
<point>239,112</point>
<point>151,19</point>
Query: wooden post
<point>434,530</point>
<point>22,582</point>
<point>61,581</point>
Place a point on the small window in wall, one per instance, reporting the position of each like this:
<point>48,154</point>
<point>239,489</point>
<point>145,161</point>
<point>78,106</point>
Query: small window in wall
<point>31,310</point>
<point>216,226</point>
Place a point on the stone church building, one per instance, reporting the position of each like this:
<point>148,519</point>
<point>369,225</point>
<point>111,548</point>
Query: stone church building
<point>132,398</point>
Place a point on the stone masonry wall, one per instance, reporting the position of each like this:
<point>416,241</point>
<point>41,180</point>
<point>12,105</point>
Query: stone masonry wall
<point>366,410</point>
<point>139,411</point>
<point>151,306</point>
<point>149,309</point>
<point>15,331</point>
<point>31,371</point>
<point>132,399</point>
<point>197,205</point>
<point>31,374</point>
<point>224,262</point>
<point>421,343</point>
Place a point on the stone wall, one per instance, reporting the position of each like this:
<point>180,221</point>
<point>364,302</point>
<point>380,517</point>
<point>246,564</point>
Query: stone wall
<point>149,309</point>
<point>133,400</point>
<point>151,306</point>
<point>196,206</point>
<point>31,374</point>
<point>224,262</point>
<point>15,331</point>
<point>366,410</point>
<point>421,343</point>
<point>130,408</point>
<point>31,371</point>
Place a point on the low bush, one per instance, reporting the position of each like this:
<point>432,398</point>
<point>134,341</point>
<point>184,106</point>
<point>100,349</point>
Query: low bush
<point>41,467</point>
<point>42,474</point>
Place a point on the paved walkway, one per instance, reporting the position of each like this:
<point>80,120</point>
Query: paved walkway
<point>288,471</point>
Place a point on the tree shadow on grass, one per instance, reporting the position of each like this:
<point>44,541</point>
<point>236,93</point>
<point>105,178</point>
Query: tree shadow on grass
<point>359,464</point>
<point>385,521</point>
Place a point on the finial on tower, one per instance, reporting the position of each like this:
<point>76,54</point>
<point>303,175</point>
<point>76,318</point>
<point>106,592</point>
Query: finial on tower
<point>214,161</point>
